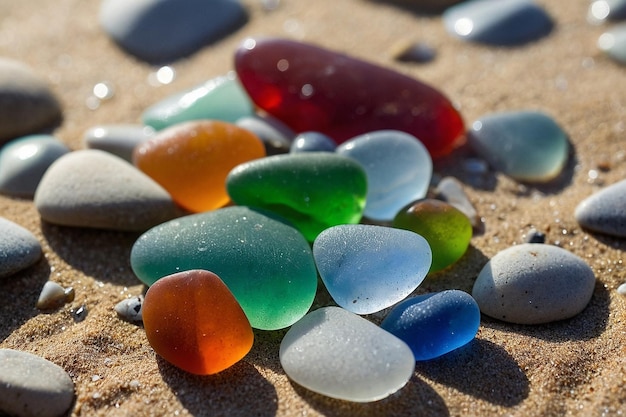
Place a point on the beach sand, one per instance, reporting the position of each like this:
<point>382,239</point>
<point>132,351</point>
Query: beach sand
<point>575,367</point>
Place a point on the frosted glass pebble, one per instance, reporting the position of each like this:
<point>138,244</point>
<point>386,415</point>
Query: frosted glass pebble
<point>368,268</point>
<point>341,355</point>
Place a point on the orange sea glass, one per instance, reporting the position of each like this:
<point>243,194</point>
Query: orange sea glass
<point>191,160</point>
<point>194,322</point>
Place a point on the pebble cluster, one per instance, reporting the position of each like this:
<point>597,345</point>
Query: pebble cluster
<point>215,272</point>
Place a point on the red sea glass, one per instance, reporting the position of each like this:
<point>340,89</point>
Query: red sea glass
<point>311,88</point>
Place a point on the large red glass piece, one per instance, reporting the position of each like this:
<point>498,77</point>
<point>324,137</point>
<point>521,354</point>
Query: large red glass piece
<point>311,88</point>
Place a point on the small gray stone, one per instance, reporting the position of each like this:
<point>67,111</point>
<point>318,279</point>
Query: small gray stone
<point>534,284</point>
<point>19,248</point>
<point>27,105</point>
<point>119,140</point>
<point>603,10</point>
<point>451,191</point>
<point>613,43</point>
<point>24,161</point>
<point>130,309</point>
<point>54,296</point>
<point>31,386</point>
<point>165,30</point>
<point>603,211</point>
<point>92,188</point>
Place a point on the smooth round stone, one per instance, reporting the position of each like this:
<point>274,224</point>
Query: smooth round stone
<point>119,140</point>
<point>92,188</point>
<point>191,160</point>
<point>613,43</point>
<point>398,169</point>
<point>19,248</point>
<point>27,104</point>
<point>130,309</point>
<point>603,10</point>
<point>312,142</point>
<point>276,136</point>
<point>24,161</point>
<point>31,386</point>
<point>368,268</point>
<point>416,52</point>
<point>220,98</point>
<point>341,355</point>
<point>266,263</point>
<point>498,22</point>
<point>193,321</point>
<point>534,284</point>
<point>166,30</point>
<point>603,211</point>
<point>447,230</point>
<point>314,89</point>
<point>429,6</point>
<point>434,324</point>
<point>313,190</point>
<point>525,145</point>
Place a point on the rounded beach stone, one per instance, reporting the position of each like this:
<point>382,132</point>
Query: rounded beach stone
<point>53,296</point>
<point>276,136</point>
<point>19,248</point>
<point>24,161</point>
<point>119,140</point>
<point>266,263</point>
<point>220,98</point>
<point>26,102</point>
<point>498,22</point>
<point>398,169</point>
<point>447,230</point>
<point>534,284</point>
<point>130,309</point>
<point>191,160</point>
<point>92,188</point>
<point>368,268</point>
<point>341,355</point>
<point>31,386</point>
<point>603,10</point>
<point>452,192</point>
<point>434,324</point>
<point>313,190</point>
<point>193,321</point>
<point>165,30</point>
<point>311,88</point>
<point>603,211</point>
<point>312,142</point>
<point>525,145</point>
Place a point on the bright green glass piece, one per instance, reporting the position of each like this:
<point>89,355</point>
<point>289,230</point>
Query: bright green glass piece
<point>446,229</point>
<point>313,190</point>
<point>221,98</point>
<point>266,264</point>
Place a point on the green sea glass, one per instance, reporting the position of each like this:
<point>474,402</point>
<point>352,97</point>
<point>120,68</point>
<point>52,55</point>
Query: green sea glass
<point>446,229</point>
<point>221,98</point>
<point>313,190</point>
<point>266,264</point>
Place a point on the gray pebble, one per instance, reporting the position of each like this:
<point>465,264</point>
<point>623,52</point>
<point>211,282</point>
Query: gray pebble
<point>534,284</point>
<point>603,211</point>
<point>130,309</point>
<point>275,135</point>
<point>53,296</point>
<point>27,105</point>
<point>451,191</point>
<point>31,386</point>
<point>92,188</point>
<point>119,140</point>
<point>535,236</point>
<point>24,161</point>
<point>19,248</point>
<point>165,30</point>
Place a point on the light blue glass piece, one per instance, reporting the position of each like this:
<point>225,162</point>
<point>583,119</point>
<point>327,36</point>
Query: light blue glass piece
<point>498,22</point>
<point>368,268</point>
<point>434,324</point>
<point>525,145</point>
<point>221,98</point>
<point>398,169</point>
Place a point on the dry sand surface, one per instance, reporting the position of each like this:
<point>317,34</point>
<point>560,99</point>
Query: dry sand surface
<point>575,367</point>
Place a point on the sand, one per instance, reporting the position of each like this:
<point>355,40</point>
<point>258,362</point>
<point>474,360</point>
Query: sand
<point>575,367</point>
